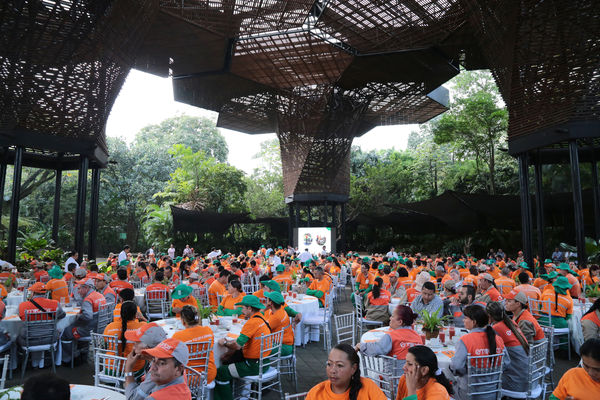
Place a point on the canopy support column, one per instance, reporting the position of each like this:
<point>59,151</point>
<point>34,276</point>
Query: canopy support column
<point>596,194</point>
<point>56,214</point>
<point>526,223</point>
<point>80,207</point>
<point>343,228</point>
<point>2,177</point>
<point>539,212</point>
<point>94,204</point>
<point>14,205</point>
<point>291,224</point>
<point>577,202</point>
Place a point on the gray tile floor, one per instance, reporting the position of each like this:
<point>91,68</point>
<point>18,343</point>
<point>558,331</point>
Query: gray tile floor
<point>310,366</point>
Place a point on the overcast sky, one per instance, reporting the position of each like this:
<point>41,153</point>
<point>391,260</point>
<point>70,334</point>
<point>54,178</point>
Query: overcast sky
<point>147,99</point>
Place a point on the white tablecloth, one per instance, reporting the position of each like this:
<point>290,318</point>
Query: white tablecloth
<point>307,305</point>
<point>12,323</point>
<point>14,298</point>
<point>443,352</point>
<point>78,392</point>
<point>575,323</point>
<point>139,297</point>
<point>394,301</point>
<point>226,328</point>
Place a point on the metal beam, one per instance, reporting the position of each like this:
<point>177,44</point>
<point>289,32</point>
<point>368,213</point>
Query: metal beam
<point>3,165</point>
<point>94,204</point>
<point>577,202</point>
<point>14,205</point>
<point>80,206</point>
<point>526,224</point>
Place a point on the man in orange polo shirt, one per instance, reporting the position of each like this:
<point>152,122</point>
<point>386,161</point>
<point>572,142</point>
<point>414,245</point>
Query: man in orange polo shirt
<point>505,283</point>
<point>57,286</point>
<point>182,296</point>
<point>279,320</point>
<point>218,288</point>
<point>249,344</point>
<point>320,287</point>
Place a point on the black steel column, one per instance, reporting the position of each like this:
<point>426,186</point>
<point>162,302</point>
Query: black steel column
<point>343,228</point>
<point>80,208</point>
<point>577,202</point>
<point>526,223</point>
<point>596,197</point>
<point>56,215</point>
<point>326,215</point>
<point>2,177</point>
<point>94,204</point>
<point>539,213</point>
<point>308,215</point>
<point>14,205</point>
<point>297,214</point>
<point>291,224</point>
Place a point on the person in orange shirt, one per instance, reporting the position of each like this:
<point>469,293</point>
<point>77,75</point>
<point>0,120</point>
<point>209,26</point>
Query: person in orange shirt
<point>234,295</point>
<point>561,303</point>
<point>218,288</point>
<point>345,381</point>
<point>320,287</point>
<point>581,382</point>
<point>489,292</point>
<point>564,270</point>
<point>505,283</point>
<point>398,340</point>
<point>422,378</point>
<point>194,332</point>
<point>377,303</point>
<point>249,344</point>
<point>126,295</point>
<point>121,281</point>
<point>523,267</point>
<point>280,321</point>
<point>127,321</point>
<point>182,296</point>
<point>518,303</point>
<point>531,291</point>
<point>364,280</point>
<point>283,275</point>
<point>57,287</point>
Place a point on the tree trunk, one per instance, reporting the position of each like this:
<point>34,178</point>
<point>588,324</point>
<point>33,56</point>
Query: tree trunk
<point>492,167</point>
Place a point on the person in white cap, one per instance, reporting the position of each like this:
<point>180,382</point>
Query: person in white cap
<point>87,318</point>
<point>166,382</point>
<point>488,289</point>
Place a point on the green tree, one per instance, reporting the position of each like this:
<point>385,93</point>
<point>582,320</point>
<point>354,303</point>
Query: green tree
<point>265,186</point>
<point>476,122</point>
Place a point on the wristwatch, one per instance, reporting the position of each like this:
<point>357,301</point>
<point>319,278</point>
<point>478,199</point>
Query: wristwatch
<point>126,374</point>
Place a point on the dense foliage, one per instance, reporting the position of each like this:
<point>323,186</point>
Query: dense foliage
<point>183,160</point>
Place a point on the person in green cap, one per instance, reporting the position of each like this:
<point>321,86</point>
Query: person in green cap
<point>182,296</point>
<point>278,320</point>
<point>283,276</point>
<point>544,280</point>
<point>561,303</point>
<point>563,269</point>
<point>272,286</point>
<point>242,358</point>
<point>364,281</point>
<point>57,287</point>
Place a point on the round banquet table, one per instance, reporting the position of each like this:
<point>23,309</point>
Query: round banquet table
<point>139,297</point>
<point>225,329</point>
<point>394,301</point>
<point>444,352</point>
<point>306,305</point>
<point>14,298</point>
<point>12,322</point>
<point>78,392</point>
<point>579,309</point>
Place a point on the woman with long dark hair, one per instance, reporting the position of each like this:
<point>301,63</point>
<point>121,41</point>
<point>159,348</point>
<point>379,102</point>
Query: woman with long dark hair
<point>377,303</point>
<point>590,322</point>
<point>345,382</point>
<point>422,377</point>
<point>480,341</point>
<point>514,377</point>
<point>127,322</point>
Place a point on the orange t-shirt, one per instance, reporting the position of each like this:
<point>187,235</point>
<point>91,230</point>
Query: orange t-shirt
<point>229,302</point>
<point>368,391</point>
<point>253,329</point>
<point>578,384</point>
<point>58,290</point>
<point>278,321</point>
<point>431,391</point>
<point>190,301</point>
<point>114,329</point>
<point>199,333</point>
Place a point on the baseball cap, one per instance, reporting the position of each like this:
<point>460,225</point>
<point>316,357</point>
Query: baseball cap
<point>37,287</point>
<point>102,277</point>
<point>487,277</point>
<point>275,297</point>
<point>517,296</point>
<point>86,282</point>
<point>273,285</point>
<point>150,334</point>
<point>170,348</point>
<point>194,275</point>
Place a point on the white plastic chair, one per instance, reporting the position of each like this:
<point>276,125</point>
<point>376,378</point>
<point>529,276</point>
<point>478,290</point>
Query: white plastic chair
<point>541,308</point>
<point>200,293</point>
<point>5,361</point>
<point>157,304</point>
<point>199,354</point>
<point>535,373</point>
<point>109,371</point>
<point>361,322</point>
<point>297,396</point>
<point>287,366</point>
<point>484,376</point>
<point>40,335</point>
<point>268,367</point>
<point>345,328</point>
<point>322,320</point>
<point>385,371</point>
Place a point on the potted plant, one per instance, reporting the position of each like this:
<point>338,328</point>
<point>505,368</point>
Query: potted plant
<point>204,313</point>
<point>592,292</point>
<point>432,322</point>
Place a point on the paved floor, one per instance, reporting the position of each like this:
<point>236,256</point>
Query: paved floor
<point>310,366</point>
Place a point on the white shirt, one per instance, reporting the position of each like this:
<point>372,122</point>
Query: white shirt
<point>276,260</point>
<point>305,256</point>
<point>214,253</point>
<point>187,252</point>
<point>391,254</point>
<point>323,252</point>
<point>150,251</point>
<point>69,261</point>
<point>171,252</point>
<point>122,256</point>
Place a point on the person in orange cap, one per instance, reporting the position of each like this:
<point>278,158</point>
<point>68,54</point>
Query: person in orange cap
<point>101,281</point>
<point>169,359</point>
